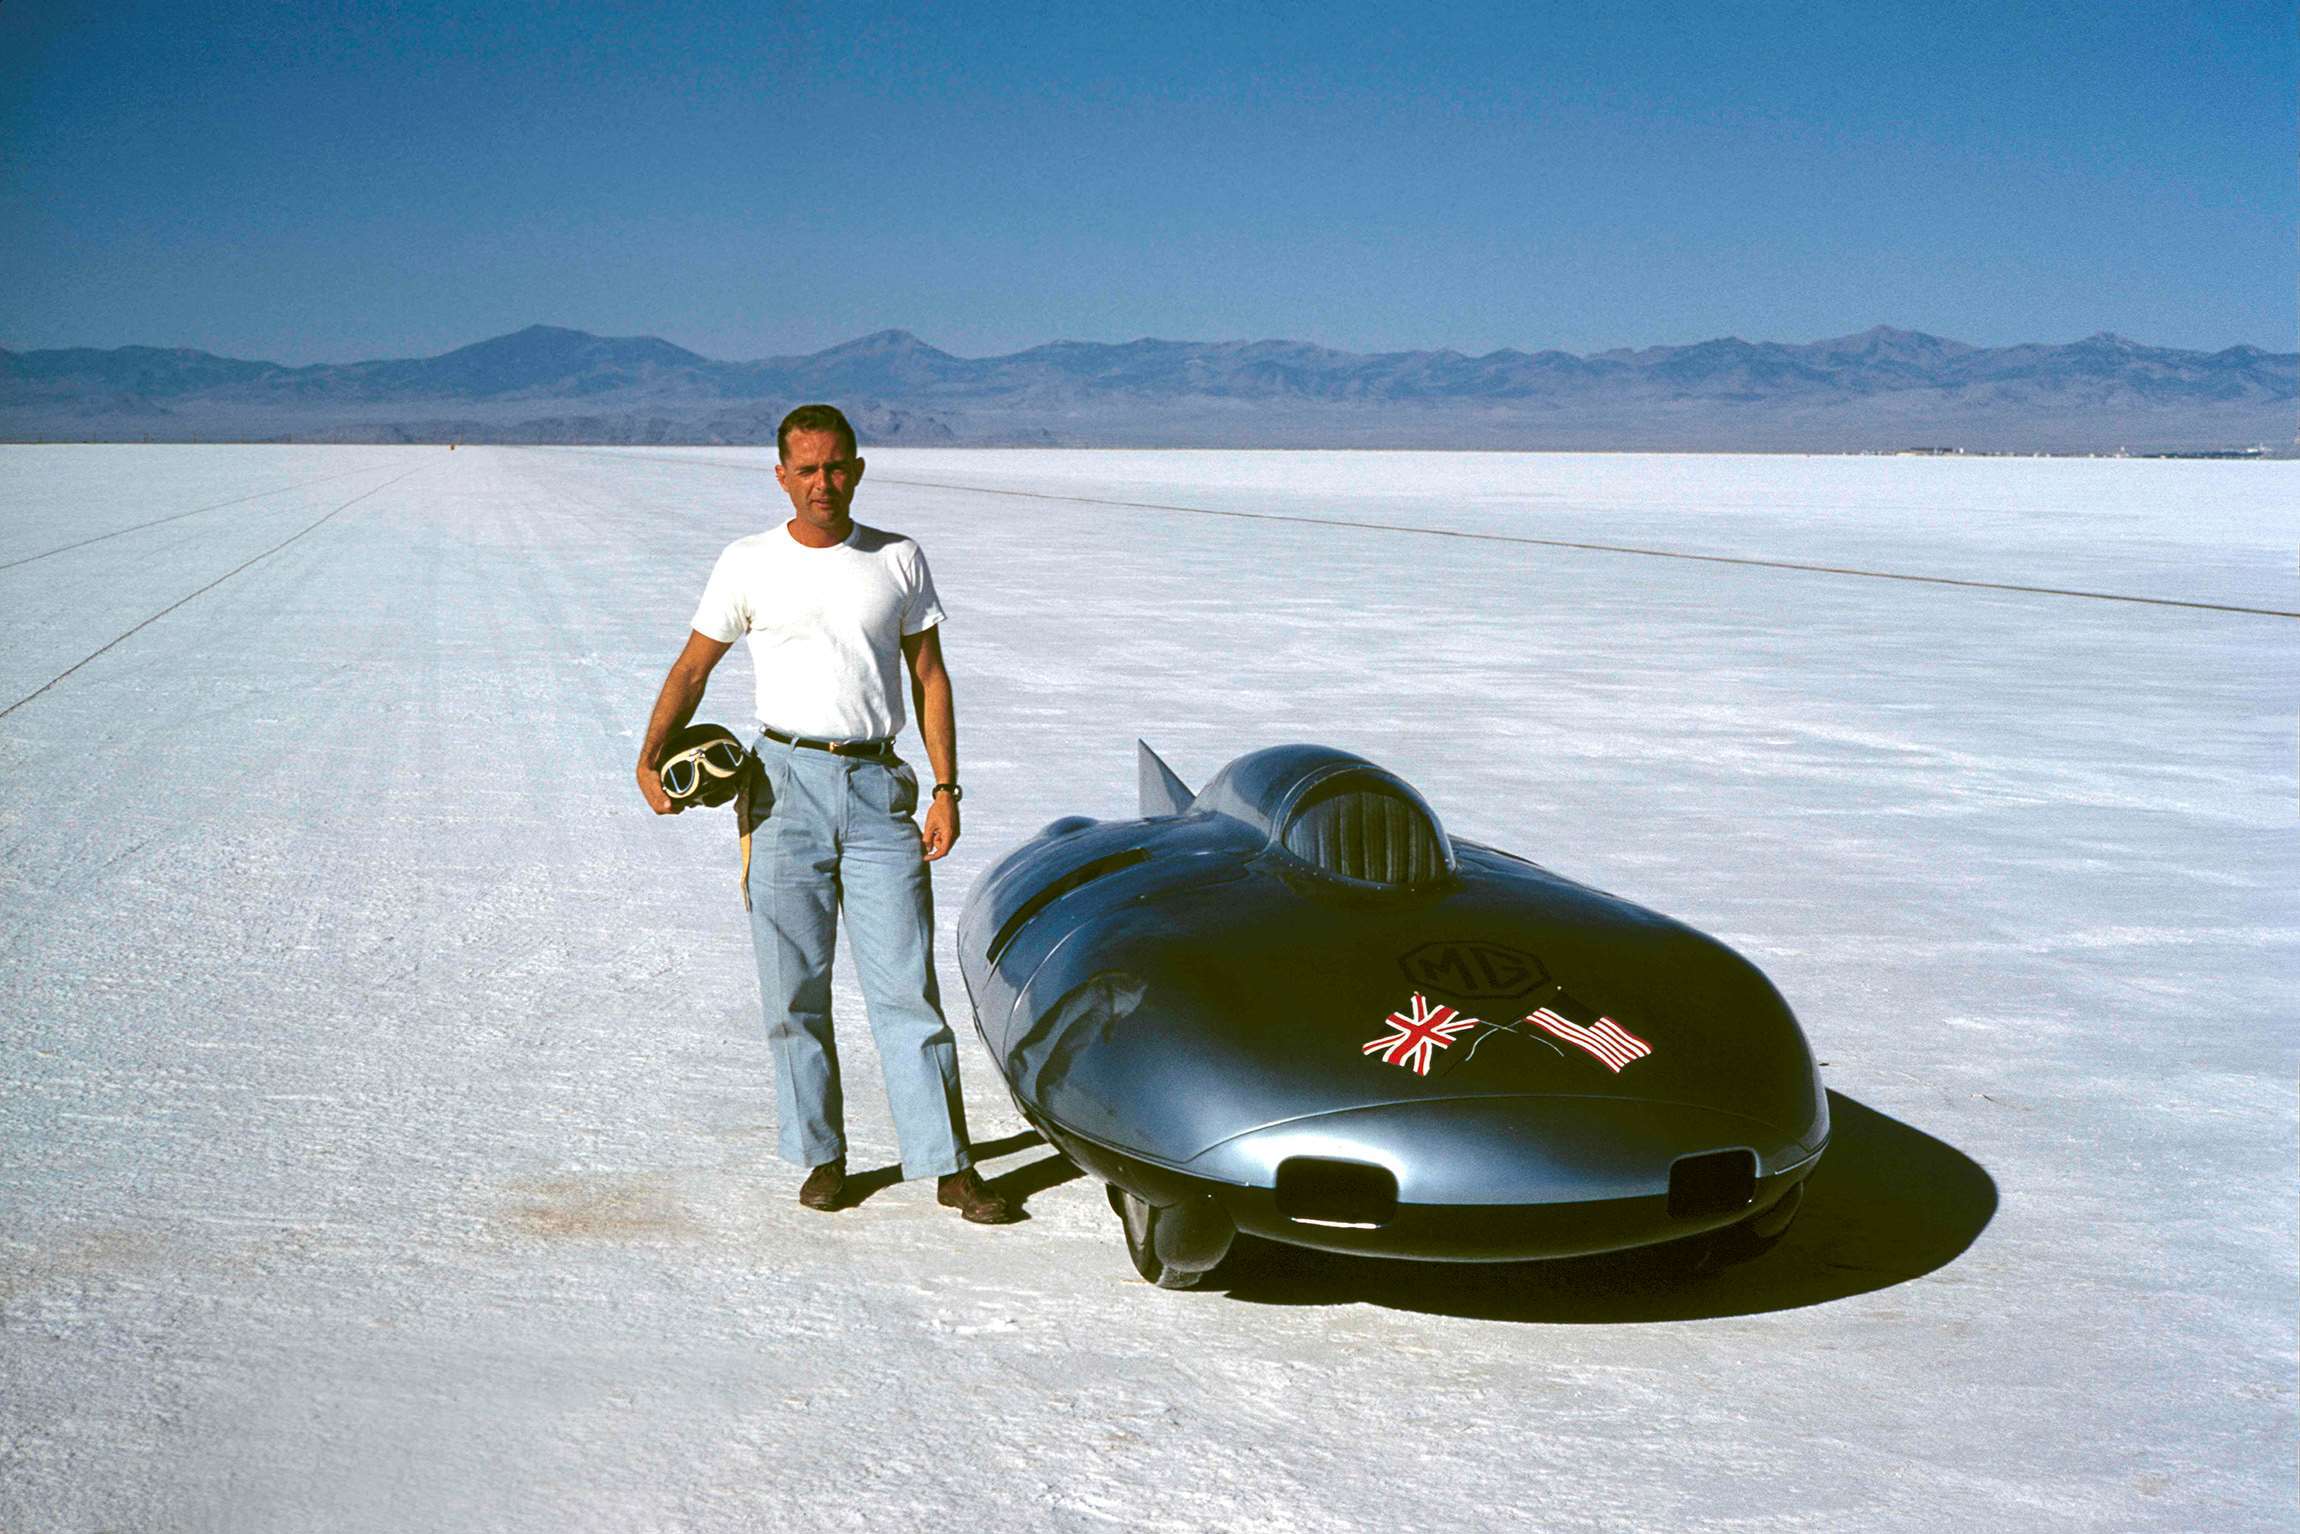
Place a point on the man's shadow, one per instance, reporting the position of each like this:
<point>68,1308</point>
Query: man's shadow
<point>1888,1203</point>
<point>1016,1186</point>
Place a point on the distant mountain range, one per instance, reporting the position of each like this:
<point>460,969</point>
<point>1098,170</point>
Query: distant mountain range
<point>1883,389</point>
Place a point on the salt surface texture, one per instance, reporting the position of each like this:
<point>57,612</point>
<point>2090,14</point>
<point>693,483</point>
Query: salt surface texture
<point>388,1135</point>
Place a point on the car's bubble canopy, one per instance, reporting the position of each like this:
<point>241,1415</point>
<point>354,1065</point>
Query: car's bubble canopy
<point>1338,813</point>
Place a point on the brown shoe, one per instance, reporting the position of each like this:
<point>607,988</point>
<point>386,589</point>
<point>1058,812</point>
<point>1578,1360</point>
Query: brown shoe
<point>966,1193</point>
<point>826,1185</point>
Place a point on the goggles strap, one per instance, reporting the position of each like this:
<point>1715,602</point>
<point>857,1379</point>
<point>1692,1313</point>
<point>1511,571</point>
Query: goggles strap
<point>743,830</point>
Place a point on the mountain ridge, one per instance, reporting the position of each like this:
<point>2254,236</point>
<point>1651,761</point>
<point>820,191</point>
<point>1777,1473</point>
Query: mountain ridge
<point>1868,389</point>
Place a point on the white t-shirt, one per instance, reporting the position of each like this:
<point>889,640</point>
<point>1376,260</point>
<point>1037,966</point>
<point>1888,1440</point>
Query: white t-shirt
<point>826,626</point>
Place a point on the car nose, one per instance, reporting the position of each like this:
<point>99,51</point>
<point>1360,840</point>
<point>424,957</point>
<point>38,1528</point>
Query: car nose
<point>1506,1150</point>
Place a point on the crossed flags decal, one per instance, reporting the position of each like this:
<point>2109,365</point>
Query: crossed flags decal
<point>1613,1045</point>
<point>1418,1030</point>
<point>1424,1028</point>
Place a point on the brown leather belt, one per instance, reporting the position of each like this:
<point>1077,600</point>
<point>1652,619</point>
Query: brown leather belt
<point>878,750</point>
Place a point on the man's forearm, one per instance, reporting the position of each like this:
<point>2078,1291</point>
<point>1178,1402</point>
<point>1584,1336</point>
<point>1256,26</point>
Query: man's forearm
<point>938,727</point>
<point>682,694</point>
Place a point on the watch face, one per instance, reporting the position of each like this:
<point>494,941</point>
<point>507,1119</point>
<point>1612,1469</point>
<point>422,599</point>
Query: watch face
<point>956,793</point>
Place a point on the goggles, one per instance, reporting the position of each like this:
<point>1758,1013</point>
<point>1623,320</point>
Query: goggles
<point>686,774</point>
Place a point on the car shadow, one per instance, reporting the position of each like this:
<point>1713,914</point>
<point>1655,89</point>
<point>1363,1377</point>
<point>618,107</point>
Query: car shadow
<point>1888,1203</point>
<point>1018,1185</point>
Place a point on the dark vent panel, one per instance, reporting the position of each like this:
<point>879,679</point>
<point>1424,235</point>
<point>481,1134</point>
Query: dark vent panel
<point>1716,1183</point>
<point>1324,1192</point>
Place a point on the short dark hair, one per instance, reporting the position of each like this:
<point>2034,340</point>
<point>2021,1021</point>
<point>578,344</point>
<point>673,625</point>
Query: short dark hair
<point>814,418</point>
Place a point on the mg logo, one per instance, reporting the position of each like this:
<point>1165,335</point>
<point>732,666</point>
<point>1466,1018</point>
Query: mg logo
<point>1471,971</point>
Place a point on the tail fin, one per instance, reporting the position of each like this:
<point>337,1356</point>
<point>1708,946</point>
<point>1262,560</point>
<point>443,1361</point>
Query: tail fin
<point>1162,792</point>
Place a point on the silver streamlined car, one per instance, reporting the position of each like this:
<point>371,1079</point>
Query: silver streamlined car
<point>1292,1006</point>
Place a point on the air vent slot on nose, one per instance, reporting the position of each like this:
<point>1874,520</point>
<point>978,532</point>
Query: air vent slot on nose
<point>1321,1192</point>
<point>1084,874</point>
<point>1715,1182</point>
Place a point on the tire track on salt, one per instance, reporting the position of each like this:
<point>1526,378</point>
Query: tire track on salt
<point>210,586</point>
<point>119,532</point>
<point>1746,561</point>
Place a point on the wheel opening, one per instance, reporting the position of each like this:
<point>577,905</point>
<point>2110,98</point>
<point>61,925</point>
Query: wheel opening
<point>1316,1191</point>
<point>1716,1182</point>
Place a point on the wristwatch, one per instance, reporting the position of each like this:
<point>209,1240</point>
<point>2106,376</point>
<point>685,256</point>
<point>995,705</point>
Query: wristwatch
<point>956,793</point>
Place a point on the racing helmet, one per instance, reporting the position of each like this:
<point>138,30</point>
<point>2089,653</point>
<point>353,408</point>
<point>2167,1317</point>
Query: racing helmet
<point>704,764</point>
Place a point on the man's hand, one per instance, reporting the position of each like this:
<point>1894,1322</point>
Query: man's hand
<point>939,832</point>
<point>674,706</point>
<point>651,785</point>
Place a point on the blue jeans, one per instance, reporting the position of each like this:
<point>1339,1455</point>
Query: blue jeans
<point>835,833</point>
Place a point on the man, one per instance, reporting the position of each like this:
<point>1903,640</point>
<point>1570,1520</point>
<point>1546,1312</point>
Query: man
<point>836,612</point>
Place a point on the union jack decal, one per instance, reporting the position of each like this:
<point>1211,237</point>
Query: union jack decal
<point>1417,1031</point>
<point>1613,1045</point>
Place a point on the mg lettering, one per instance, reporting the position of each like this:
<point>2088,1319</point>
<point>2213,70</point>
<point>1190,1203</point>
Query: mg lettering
<point>1472,971</point>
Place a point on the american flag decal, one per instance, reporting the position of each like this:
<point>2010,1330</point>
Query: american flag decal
<point>1416,1032</point>
<point>1613,1045</point>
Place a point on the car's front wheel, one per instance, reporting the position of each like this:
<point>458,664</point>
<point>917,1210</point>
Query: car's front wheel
<point>1712,1251</point>
<point>1169,1248</point>
<point>1760,1233</point>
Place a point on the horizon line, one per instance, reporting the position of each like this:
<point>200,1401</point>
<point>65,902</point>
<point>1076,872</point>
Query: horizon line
<point>902,332</point>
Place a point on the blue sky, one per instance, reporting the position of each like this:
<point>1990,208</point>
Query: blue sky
<point>324,182</point>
